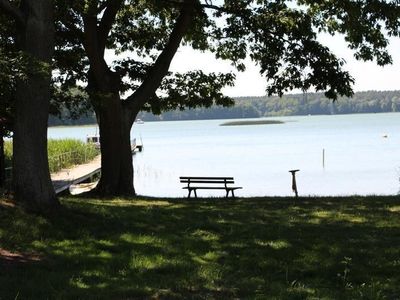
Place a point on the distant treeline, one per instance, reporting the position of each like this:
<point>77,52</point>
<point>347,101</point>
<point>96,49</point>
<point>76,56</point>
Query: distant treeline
<point>66,120</point>
<point>288,105</point>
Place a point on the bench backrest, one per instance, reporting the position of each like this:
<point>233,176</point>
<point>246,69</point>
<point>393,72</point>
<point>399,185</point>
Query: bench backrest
<point>209,180</point>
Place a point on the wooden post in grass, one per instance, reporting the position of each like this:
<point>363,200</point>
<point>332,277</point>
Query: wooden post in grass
<point>294,185</point>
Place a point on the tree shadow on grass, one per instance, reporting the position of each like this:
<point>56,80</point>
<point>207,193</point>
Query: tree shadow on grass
<point>211,248</point>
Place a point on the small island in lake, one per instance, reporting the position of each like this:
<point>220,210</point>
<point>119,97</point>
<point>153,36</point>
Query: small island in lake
<point>252,122</point>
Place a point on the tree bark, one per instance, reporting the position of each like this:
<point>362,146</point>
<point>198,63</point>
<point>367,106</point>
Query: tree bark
<point>31,177</point>
<point>115,122</point>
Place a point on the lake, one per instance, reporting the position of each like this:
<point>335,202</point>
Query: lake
<point>361,155</point>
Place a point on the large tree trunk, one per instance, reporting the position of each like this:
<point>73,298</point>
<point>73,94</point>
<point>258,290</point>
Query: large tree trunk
<point>116,117</point>
<point>115,122</point>
<point>116,155</point>
<point>31,177</point>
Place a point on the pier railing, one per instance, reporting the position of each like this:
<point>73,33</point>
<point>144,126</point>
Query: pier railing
<point>61,161</point>
<point>67,159</point>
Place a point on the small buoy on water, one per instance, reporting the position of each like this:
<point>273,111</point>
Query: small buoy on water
<point>384,135</point>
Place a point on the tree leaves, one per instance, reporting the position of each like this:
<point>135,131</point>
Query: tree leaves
<point>190,90</point>
<point>281,37</point>
<point>365,24</point>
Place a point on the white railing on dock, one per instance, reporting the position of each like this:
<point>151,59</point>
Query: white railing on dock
<point>57,162</point>
<point>66,159</point>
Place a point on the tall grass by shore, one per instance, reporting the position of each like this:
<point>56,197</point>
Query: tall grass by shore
<point>67,152</point>
<point>62,153</point>
<point>8,153</point>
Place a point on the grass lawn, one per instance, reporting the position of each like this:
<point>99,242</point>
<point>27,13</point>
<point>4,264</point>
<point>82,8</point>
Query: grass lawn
<point>258,248</point>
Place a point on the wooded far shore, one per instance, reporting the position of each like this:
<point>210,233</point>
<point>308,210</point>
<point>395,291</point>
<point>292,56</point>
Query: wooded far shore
<point>256,107</point>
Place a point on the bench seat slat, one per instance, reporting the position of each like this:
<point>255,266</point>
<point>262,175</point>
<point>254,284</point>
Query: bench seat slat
<point>211,188</point>
<point>206,178</point>
<point>209,181</point>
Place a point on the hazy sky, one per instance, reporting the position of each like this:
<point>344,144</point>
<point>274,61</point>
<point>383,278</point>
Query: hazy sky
<point>368,75</point>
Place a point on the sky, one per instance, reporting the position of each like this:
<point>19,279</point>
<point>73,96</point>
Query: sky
<point>367,75</point>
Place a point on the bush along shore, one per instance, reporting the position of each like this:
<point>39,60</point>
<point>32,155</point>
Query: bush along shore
<point>63,153</point>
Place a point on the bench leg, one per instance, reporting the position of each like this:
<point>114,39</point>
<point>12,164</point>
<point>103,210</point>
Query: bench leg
<point>227,193</point>
<point>190,192</point>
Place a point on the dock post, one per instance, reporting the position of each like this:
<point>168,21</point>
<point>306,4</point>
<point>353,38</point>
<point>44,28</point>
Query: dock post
<point>294,185</point>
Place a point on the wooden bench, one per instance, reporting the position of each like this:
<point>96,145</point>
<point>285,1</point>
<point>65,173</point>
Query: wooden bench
<point>209,183</point>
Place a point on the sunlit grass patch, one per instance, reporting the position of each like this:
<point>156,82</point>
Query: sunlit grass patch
<point>141,239</point>
<point>352,218</point>
<point>143,262</point>
<point>336,216</point>
<point>394,209</point>
<point>323,214</point>
<point>118,202</point>
<point>278,244</point>
<point>205,235</point>
<point>78,282</point>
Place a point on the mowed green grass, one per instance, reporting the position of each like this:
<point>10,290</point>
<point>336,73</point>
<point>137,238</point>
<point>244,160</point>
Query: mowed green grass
<point>259,248</point>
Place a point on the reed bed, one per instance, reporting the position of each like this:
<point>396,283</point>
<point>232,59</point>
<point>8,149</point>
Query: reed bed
<point>252,122</point>
<point>63,153</point>
<point>8,153</point>
<point>68,152</point>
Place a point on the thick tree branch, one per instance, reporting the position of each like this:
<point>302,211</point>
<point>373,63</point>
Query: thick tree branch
<point>95,36</point>
<point>102,7</point>
<point>71,25</point>
<point>12,11</point>
<point>92,8</point>
<point>208,4</point>
<point>161,66</point>
<point>107,21</point>
<point>214,7</point>
<point>95,55</point>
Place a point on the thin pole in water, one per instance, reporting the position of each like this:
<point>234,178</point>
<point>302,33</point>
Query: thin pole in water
<point>323,158</point>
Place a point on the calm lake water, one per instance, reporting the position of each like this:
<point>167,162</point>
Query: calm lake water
<point>358,158</point>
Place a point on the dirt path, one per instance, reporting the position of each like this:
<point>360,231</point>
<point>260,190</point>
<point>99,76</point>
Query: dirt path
<point>15,258</point>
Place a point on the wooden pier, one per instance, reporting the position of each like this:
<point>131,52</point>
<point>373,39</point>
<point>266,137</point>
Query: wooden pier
<point>136,146</point>
<point>63,179</point>
<point>76,175</point>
